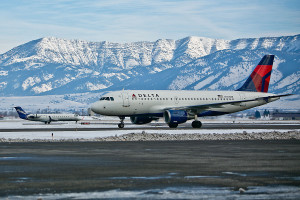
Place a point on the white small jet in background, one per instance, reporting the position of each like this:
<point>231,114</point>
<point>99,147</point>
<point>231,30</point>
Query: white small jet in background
<point>47,118</point>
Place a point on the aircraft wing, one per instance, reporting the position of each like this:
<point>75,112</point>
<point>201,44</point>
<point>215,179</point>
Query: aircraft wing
<point>222,104</point>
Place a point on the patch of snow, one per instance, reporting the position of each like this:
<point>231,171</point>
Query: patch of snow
<point>131,63</point>
<point>3,73</point>
<point>48,77</point>
<point>288,80</point>
<point>30,81</point>
<point>242,44</point>
<point>2,84</point>
<point>96,73</point>
<point>254,44</point>
<point>155,70</point>
<point>267,43</point>
<point>92,86</point>
<point>182,81</point>
<point>208,80</point>
<point>43,88</point>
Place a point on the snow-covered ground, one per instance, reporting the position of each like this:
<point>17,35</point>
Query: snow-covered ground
<point>76,133</point>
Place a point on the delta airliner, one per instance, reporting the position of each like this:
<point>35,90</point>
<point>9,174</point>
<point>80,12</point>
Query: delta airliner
<point>143,106</point>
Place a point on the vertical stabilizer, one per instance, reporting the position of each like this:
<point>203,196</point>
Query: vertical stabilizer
<point>259,80</point>
<point>21,112</point>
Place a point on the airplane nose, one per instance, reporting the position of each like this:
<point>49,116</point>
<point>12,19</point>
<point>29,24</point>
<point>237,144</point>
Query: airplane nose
<point>95,107</point>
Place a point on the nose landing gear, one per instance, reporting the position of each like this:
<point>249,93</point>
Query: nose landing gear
<point>121,124</point>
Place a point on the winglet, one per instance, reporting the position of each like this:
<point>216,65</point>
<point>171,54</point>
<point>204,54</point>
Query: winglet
<point>259,79</point>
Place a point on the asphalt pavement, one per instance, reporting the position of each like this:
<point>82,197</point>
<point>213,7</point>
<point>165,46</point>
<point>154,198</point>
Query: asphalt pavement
<point>40,168</point>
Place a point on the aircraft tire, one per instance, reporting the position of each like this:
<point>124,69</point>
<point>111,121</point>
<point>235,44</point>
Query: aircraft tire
<point>196,124</point>
<point>121,125</point>
<point>173,125</point>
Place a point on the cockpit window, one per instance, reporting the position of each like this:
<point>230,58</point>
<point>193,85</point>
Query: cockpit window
<point>107,99</point>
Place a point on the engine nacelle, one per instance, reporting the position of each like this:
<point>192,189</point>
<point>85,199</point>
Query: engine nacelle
<point>141,119</point>
<point>176,116</point>
<point>32,116</point>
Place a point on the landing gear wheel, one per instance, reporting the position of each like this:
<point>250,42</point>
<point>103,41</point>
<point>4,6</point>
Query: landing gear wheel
<point>173,125</point>
<point>196,124</point>
<point>121,125</point>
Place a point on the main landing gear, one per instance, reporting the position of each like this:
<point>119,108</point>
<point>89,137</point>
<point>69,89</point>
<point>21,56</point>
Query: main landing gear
<point>196,124</point>
<point>121,124</point>
<point>173,125</point>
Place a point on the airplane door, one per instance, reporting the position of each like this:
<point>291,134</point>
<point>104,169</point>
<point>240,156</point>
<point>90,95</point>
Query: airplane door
<point>125,98</point>
<point>243,97</point>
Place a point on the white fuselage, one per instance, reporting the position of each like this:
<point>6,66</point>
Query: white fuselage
<point>53,117</point>
<point>155,102</point>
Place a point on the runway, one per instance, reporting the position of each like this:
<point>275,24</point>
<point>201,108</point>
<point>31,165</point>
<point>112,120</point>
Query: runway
<point>151,170</point>
<point>38,127</point>
<point>26,131</point>
<point>71,165</point>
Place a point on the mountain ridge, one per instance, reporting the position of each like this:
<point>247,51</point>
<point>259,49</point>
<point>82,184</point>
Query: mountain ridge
<point>58,66</point>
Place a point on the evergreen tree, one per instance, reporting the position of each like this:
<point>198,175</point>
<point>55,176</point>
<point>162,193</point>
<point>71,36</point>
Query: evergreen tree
<point>257,114</point>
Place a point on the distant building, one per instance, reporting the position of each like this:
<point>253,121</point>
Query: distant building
<point>286,116</point>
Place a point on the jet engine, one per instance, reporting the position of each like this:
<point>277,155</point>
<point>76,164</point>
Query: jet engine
<point>141,119</point>
<point>176,116</point>
<point>32,116</point>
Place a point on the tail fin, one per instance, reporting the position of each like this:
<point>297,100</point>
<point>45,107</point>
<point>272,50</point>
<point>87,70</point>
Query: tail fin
<point>259,80</point>
<point>21,112</point>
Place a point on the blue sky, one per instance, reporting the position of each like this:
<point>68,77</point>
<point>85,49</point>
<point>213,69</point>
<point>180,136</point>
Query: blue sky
<point>140,20</point>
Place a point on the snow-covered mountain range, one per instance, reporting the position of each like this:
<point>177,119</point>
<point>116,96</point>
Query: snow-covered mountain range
<point>50,66</point>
